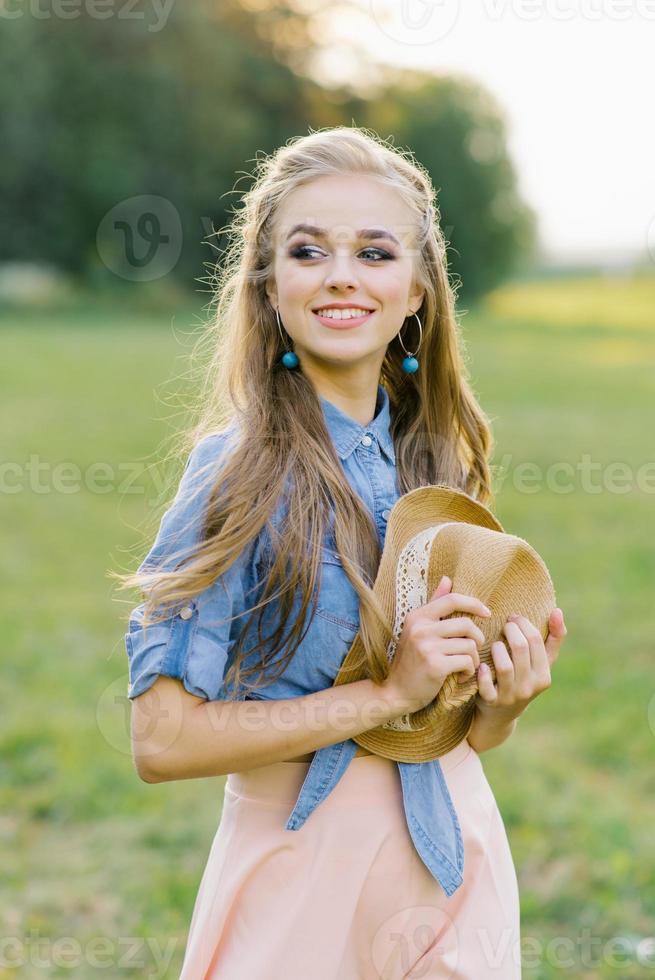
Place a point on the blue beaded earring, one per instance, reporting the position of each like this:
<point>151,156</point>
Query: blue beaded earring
<point>289,359</point>
<point>410,364</point>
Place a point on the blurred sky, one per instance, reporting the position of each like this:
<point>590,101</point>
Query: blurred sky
<point>577,81</point>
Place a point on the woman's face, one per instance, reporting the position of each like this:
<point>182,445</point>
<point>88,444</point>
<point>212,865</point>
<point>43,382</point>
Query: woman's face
<point>356,252</point>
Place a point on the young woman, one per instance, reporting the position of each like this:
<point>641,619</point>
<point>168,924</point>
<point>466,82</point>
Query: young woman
<point>314,421</point>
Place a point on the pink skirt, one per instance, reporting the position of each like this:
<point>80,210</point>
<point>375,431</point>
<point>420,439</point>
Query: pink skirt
<point>347,897</point>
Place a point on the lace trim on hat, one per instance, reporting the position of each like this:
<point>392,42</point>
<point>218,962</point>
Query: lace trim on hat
<point>411,592</point>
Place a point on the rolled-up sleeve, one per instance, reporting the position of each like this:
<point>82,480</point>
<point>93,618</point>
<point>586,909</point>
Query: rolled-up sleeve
<point>194,644</point>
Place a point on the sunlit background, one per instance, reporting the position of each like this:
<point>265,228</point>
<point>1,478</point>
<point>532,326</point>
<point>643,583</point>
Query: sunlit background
<point>128,132</point>
<point>574,80</point>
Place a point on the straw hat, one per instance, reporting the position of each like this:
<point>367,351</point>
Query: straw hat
<point>434,531</point>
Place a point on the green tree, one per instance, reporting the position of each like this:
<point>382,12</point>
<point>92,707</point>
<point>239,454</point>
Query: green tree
<point>457,131</point>
<point>111,109</point>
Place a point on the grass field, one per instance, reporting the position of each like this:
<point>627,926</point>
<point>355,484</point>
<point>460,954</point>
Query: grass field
<point>100,870</point>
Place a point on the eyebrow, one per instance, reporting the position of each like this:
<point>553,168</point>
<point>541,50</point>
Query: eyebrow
<point>369,234</point>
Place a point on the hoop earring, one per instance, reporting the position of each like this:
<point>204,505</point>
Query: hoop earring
<point>290,358</point>
<point>410,364</point>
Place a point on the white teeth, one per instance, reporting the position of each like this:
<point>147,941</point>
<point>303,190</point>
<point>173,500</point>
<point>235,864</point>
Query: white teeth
<point>342,314</point>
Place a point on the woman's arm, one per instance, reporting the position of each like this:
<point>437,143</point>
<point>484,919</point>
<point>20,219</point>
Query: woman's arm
<point>520,678</point>
<point>176,735</point>
<point>489,731</point>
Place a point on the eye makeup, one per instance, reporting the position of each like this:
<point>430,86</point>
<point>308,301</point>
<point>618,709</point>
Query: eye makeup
<point>297,251</point>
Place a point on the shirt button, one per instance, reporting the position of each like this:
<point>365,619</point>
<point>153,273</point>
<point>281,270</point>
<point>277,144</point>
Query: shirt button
<point>186,612</point>
<point>385,514</point>
<point>366,441</point>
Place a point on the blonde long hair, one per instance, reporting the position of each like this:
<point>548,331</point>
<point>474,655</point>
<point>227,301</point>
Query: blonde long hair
<point>440,433</point>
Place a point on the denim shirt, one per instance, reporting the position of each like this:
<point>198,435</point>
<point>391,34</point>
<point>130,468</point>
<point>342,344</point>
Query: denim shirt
<point>196,647</point>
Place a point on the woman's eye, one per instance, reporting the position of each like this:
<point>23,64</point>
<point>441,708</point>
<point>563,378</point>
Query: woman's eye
<point>299,250</point>
<point>381,254</point>
<point>378,254</point>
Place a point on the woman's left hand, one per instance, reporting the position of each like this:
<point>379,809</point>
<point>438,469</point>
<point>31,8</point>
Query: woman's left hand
<point>522,676</point>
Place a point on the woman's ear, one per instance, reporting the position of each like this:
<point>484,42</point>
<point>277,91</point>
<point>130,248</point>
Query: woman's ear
<point>416,300</point>
<point>271,292</point>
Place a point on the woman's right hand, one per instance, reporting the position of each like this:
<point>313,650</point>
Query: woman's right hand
<point>430,648</point>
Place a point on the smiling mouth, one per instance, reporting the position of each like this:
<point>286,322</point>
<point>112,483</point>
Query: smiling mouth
<point>347,323</point>
<point>341,319</point>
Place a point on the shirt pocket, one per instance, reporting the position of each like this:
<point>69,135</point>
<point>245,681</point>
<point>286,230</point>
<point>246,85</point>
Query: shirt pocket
<point>334,626</point>
<point>338,601</point>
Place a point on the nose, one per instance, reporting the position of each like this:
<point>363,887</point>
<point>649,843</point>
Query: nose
<point>341,275</point>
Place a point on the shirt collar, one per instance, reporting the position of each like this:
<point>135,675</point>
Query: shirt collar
<point>347,433</point>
